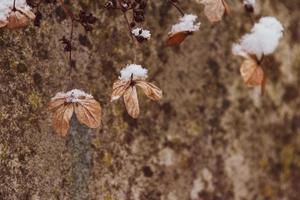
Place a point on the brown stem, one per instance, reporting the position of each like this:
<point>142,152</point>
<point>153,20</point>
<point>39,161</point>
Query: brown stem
<point>177,7</point>
<point>128,25</point>
<point>71,15</point>
<point>14,6</point>
<point>251,18</point>
<point>131,35</point>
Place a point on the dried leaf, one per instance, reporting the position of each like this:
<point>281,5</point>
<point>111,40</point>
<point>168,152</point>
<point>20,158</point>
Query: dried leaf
<point>3,23</point>
<point>177,38</point>
<point>215,9</point>
<point>226,6</point>
<point>56,103</point>
<point>131,102</point>
<point>27,13</point>
<point>119,88</point>
<point>17,20</point>
<point>150,90</point>
<point>88,112</point>
<point>61,119</point>
<point>252,73</point>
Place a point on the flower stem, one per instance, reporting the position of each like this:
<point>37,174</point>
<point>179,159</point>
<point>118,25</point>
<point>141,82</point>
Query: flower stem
<point>177,8</point>
<point>14,6</point>
<point>128,24</point>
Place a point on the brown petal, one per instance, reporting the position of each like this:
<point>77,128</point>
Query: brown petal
<point>226,6</point>
<point>177,38</point>
<point>55,103</point>
<point>214,9</point>
<point>131,102</point>
<point>61,119</point>
<point>119,87</point>
<point>150,90</point>
<point>88,112</point>
<point>28,13</point>
<point>252,73</point>
<point>17,20</point>
<point>3,23</point>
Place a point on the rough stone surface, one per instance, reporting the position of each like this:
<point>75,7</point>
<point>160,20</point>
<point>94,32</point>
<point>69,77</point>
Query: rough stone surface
<point>210,138</point>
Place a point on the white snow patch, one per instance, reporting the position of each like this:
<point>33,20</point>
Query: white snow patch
<point>237,50</point>
<point>249,2</point>
<point>6,7</point>
<point>72,96</point>
<point>262,40</point>
<point>139,32</point>
<point>133,70</point>
<point>186,23</point>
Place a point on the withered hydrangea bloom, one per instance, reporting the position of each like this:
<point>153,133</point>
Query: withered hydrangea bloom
<point>63,105</point>
<point>15,16</point>
<point>262,41</point>
<point>131,76</point>
<point>215,9</point>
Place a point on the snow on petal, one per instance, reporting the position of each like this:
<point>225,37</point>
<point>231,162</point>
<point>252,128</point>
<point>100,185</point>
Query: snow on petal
<point>6,7</point>
<point>238,50</point>
<point>263,38</point>
<point>186,23</point>
<point>249,2</point>
<point>133,70</point>
<point>72,96</point>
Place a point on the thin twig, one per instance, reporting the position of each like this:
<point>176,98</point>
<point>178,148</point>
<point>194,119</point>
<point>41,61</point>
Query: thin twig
<point>177,7</point>
<point>251,18</point>
<point>130,33</point>
<point>71,15</point>
<point>14,6</point>
<point>129,27</point>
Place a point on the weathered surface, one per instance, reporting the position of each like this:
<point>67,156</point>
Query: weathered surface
<point>209,138</point>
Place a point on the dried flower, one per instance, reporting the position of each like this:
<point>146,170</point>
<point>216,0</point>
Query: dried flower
<point>15,16</point>
<point>141,34</point>
<point>131,76</point>
<point>262,40</point>
<point>63,105</point>
<point>215,9</point>
<point>186,26</point>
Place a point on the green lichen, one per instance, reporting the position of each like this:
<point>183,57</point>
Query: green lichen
<point>287,157</point>
<point>107,159</point>
<point>268,191</point>
<point>108,197</point>
<point>35,100</point>
<point>96,143</point>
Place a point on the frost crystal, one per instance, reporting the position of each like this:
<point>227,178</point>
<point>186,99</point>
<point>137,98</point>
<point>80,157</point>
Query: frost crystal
<point>249,2</point>
<point>6,7</point>
<point>186,23</point>
<point>72,96</point>
<point>133,70</point>
<point>139,32</point>
<point>263,39</point>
